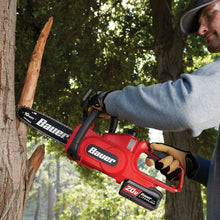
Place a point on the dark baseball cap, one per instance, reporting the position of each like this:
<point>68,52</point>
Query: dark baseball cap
<point>189,21</point>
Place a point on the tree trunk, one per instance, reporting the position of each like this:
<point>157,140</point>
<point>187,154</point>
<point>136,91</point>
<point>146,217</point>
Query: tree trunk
<point>58,186</point>
<point>190,196</point>
<point>13,157</point>
<point>39,192</point>
<point>169,44</point>
<point>50,202</point>
<point>50,194</point>
<point>16,171</point>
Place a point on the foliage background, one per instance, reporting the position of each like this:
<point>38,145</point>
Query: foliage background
<point>107,44</point>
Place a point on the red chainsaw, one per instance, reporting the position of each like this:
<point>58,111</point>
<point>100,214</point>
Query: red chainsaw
<point>114,154</point>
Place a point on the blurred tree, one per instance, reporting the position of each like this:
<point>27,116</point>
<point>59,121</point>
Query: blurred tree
<point>39,197</point>
<point>169,46</point>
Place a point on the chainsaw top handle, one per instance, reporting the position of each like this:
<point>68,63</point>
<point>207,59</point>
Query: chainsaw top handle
<point>73,148</point>
<point>114,120</point>
<point>87,122</point>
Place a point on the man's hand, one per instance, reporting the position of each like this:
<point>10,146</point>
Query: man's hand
<point>98,102</point>
<point>169,166</point>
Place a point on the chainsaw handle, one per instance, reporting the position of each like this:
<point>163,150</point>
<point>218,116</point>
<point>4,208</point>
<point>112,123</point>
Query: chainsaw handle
<point>73,148</point>
<point>156,154</point>
<point>144,147</point>
<point>113,125</point>
<point>114,120</point>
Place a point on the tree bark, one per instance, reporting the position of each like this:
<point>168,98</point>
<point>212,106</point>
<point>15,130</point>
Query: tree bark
<point>189,197</point>
<point>13,157</point>
<point>169,44</point>
<point>16,177</point>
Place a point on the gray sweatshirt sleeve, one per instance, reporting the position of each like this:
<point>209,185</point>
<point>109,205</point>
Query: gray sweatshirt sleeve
<point>191,103</point>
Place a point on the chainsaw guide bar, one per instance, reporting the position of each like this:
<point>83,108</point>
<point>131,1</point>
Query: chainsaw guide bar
<point>44,124</point>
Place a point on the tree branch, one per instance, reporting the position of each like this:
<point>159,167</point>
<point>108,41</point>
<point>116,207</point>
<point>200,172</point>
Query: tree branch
<point>30,85</point>
<point>27,98</point>
<point>34,163</point>
<point>28,92</point>
<point>36,159</point>
<point>153,47</point>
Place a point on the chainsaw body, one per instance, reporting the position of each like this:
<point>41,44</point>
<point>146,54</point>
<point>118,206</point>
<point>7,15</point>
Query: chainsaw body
<point>113,154</point>
<point>116,155</point>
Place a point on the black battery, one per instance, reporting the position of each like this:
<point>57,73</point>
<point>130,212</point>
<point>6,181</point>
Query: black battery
<point>146,197</point>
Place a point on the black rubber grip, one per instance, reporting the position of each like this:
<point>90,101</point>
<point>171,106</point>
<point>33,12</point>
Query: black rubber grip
<point>73,148</point>
<point>158,155</point>
<point>113,125</point>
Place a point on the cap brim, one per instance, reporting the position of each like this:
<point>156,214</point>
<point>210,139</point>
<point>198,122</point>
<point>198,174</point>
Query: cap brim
<point>189,21</point>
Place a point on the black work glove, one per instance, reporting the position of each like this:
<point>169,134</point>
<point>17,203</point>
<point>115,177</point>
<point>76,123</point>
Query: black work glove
<point>98,102</point>
<point>169,166</point>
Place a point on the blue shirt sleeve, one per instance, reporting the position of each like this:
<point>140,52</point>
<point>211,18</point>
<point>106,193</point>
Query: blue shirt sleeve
<point>202,173</point>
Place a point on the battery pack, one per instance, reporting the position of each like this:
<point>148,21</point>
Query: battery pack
<point>146,197</point>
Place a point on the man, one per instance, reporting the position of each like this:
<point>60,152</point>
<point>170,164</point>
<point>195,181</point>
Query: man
<point>191,103</point>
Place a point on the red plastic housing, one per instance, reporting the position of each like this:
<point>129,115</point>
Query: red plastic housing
<point>116,155</point>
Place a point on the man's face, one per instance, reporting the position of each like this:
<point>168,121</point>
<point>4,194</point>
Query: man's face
<point>209,20</point>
